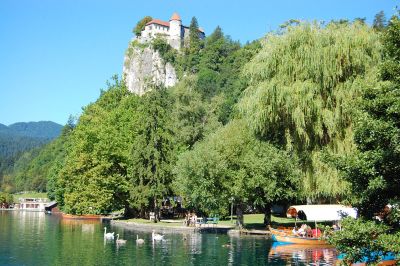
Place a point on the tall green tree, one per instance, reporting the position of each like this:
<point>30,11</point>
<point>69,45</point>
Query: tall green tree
<point>302,85</point>
<point>379,21</point>
<point>6,199</point>
<point>94,177</point>
<point>54,190</point>
<point>193,118</point>
<point>374,168</point>
<point>152,153</point>
<point>192,49</point>
<point>231,165</point>
<point>390,70</point>
<point>137,30</point>
<point>195,43</point>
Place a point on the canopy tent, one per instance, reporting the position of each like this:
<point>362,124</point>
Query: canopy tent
<point>331,212</point>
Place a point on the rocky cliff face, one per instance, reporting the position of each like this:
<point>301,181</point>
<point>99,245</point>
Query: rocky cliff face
<point>144,66</point>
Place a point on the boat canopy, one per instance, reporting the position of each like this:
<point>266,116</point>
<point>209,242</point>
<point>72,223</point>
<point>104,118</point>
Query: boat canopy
<point>325,212</point>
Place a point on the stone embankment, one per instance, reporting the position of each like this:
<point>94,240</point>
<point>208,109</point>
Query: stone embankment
<point>178,228</point>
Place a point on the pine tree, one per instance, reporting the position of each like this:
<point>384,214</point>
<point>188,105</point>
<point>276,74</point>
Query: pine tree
<point>192,52</point>
<point>379,21</point>
<point>152,153</point>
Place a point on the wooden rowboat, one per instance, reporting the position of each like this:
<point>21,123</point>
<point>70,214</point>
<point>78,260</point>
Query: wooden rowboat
<point>82,217</point>
<point>286,236</point>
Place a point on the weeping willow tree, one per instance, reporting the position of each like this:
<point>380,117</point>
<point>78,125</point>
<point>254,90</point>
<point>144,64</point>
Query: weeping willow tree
<point>303,85</point>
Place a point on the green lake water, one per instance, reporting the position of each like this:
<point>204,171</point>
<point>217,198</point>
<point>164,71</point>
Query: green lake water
<point>33,238</point>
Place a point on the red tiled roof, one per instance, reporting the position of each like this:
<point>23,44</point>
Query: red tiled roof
<point>158,22</point>
<point>175,16</point>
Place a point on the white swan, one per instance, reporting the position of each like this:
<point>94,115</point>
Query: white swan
<point>139,240</point>
<point>155,236</point>
<point>108,235</point>
<point>120,241</point>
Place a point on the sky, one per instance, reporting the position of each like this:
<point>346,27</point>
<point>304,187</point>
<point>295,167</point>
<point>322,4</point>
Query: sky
<point>56,55</point>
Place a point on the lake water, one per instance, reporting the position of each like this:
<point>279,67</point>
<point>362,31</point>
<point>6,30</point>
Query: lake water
<point>33,238</point>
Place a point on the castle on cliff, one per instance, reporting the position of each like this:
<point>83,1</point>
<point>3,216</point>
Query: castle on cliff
<point>173,31</point>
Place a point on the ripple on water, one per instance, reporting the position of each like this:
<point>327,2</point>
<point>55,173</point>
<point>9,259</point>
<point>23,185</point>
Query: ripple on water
<point>28,238</point>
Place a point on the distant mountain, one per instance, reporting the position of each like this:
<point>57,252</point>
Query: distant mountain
<point>3,127</point>
<point>41,130</point>
<point>20,137</point>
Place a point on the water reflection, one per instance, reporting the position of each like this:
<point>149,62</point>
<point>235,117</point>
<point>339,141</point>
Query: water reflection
<point>86,226</point>
<point>28,238</point>
<point>311,255</point>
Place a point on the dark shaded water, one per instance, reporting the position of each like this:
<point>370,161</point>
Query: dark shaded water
<point>32,238</point>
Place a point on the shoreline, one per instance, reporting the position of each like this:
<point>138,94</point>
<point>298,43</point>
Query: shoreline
<point>21,210</point>
<point>218,229</point>
<point>169,228</point>
<point>165,227</point>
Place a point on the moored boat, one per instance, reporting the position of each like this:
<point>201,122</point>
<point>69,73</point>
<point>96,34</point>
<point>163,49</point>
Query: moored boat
<point>82,217</point>
<point>285,236</point>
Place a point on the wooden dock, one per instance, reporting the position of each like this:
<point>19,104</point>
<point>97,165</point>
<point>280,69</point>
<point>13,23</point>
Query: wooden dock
<point>255,232</point>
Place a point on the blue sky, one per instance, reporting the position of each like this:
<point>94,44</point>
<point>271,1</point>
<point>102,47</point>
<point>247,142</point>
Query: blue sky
<point>56,55</point>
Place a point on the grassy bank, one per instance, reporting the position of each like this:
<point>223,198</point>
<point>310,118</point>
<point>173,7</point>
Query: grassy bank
<point>256,221</point>
<point>162,223</point>
<point>30,194</point>
<point>251,221</point>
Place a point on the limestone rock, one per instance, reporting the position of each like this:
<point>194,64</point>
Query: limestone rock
<point>144,66</point>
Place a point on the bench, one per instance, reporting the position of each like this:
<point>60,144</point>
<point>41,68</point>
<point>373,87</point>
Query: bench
<point>207,221</point>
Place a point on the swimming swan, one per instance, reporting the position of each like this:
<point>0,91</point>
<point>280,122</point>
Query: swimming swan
<point>139,240</point>
<point>108,235</point>
<point>120,241</point>
<point>155,236</point>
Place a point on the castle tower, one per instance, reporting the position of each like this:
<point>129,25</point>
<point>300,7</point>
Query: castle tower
<point>175,31</point>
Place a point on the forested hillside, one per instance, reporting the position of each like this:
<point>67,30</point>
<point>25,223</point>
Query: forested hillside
<point>24,136</point>
<point>41,129</point>
<point>21,140</point>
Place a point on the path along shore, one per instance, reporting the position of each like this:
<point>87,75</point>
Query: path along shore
<point>167,228</point>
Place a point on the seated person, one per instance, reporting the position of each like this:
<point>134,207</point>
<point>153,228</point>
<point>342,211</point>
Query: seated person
<point>187,219</point>
<point>193,219</point>
<point>309,232</point>
<point>335,227</point>
<point>316,232</point>
<point>302,230</point>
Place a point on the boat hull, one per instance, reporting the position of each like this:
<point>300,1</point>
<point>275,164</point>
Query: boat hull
<point>81,217</point>
<point>286,237</point>
<point>299,240</point>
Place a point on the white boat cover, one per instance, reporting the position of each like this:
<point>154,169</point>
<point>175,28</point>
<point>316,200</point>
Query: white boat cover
<point>324,212</point>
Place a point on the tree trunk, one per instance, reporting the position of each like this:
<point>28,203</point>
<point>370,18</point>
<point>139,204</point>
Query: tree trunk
<point>239,216</point>
<point>130,212</point>
<point>267,214</point>
<point>156,211</point>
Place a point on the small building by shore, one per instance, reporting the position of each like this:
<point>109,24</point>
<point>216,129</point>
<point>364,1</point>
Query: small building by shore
<point>32,204</point>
